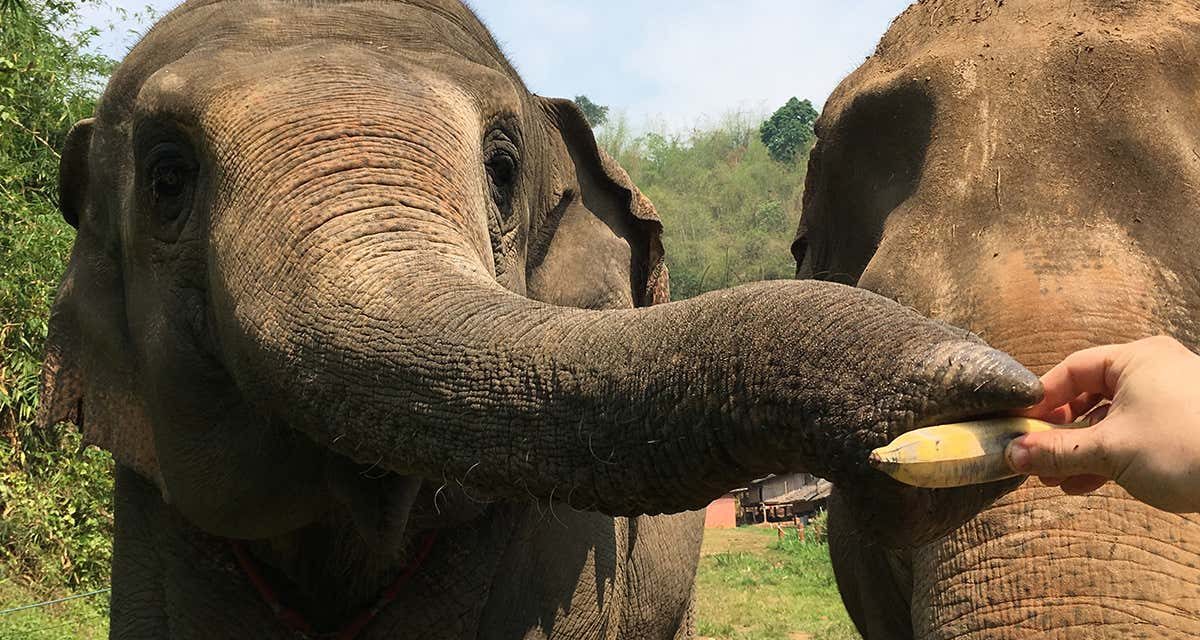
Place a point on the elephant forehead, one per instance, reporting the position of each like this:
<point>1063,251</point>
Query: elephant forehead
<point>1027,63</point>
<point>216,86</point>
<point>965,25</point>
<point>1038,291</point>
<point>247,37</point>
<point>415,25</point>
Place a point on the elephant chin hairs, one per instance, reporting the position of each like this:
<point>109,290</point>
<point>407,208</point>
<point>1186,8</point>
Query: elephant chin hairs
<point>295,621</point>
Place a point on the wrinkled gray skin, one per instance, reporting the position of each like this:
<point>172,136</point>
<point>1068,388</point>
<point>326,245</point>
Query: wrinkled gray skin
<point>340,281</point>
<point>1028,170</point>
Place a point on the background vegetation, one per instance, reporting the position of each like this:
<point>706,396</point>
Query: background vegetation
<point>55,496</point>
<point>730,210</point>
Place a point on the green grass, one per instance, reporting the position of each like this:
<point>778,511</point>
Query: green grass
<point>752,587</point>
<point>82,619</point>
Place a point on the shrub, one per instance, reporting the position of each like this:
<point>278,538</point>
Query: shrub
<point>818,528</point>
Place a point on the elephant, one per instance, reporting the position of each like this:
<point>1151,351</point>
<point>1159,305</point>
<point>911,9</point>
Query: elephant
<point>381,345</point>
<point>1026,170</point>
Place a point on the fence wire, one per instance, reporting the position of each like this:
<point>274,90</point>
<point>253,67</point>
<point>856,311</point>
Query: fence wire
<point>47,603</point>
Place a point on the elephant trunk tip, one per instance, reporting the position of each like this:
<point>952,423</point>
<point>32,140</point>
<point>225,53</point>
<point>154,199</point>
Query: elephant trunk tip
<point>980,380</point>
<point>1012,383</point>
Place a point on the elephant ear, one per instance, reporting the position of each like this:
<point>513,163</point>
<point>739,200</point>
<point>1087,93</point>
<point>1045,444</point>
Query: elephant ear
<point>61,392</point>
<point>600,243</point>
<point>86,377</point>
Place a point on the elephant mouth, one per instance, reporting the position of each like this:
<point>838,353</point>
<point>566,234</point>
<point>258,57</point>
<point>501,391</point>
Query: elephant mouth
<point>900,515</point>
<point>296,621</point>
<point>378,503</point>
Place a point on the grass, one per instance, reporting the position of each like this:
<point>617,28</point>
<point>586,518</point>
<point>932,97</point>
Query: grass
<point>82,619</point>
<point>752,587</point>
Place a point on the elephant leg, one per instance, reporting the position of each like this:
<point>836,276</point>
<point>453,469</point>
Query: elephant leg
<point>660,574</point>
<point>138,598</point>
<point>687,628</point>
<point>875,583</point>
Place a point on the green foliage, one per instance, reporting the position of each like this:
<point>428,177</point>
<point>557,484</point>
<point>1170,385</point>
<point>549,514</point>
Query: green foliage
<point>597,115</point>
<point>789,130</point>
<point>728,209</point>
<point>55,497</point>
<point>818,527</point>
<point>57,522</point>
<point>815,533</point>
<point>11,6</point>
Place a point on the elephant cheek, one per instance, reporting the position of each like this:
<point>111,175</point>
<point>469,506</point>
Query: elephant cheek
<point>224,466</point>
<point>242,480</point>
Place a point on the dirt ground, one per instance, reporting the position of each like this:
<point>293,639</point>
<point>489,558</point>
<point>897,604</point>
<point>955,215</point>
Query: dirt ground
<point>742,539</point>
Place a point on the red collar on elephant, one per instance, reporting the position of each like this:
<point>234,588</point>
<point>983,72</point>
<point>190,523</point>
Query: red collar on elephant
<point>295,621</point>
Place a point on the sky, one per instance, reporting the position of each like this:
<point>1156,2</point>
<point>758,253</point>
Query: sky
<point>669,63</point>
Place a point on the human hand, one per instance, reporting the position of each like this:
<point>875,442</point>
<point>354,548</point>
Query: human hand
<point>1147,439</point>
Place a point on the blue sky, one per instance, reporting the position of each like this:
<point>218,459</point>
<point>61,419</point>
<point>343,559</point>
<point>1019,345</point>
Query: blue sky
<point>677,63</point>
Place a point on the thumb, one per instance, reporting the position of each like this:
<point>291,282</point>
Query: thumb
<point>1062,453</point>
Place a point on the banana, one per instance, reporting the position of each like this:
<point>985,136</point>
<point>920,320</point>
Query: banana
<point>954,455</point>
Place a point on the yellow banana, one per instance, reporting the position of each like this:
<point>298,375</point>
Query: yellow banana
<point>954,455</point>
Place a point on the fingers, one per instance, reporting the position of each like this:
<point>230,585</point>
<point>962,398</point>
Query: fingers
<point>1084,405</point>
<point>1056,415</point>
<point>1087,372</point>
<point>1069,412</point>
<point>1062,453</point>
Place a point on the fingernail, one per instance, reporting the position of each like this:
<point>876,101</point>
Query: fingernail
<point>1018,456</point>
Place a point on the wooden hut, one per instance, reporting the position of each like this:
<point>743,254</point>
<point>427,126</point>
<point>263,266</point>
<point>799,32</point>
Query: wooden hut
<point>777,498</point>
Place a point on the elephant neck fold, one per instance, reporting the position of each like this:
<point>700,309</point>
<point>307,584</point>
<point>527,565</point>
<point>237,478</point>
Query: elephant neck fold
<point>297,622</point>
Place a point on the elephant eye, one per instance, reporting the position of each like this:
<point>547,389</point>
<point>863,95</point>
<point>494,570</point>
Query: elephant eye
<point>169,176</point>
<point>167,182</point>
<point>502,176</point>
<point>500,161</point>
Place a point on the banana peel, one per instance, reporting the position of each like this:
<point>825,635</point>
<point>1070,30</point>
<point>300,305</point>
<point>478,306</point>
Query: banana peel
<point>954,455</point>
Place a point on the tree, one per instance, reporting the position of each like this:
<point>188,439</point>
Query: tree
<point>596,114</point>
<point>789,130</point>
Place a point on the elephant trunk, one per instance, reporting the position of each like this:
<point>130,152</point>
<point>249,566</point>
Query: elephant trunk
<point>427,367</point>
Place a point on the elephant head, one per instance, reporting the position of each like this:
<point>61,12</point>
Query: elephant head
<point>1027,170</point>
<point>314,238</point>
